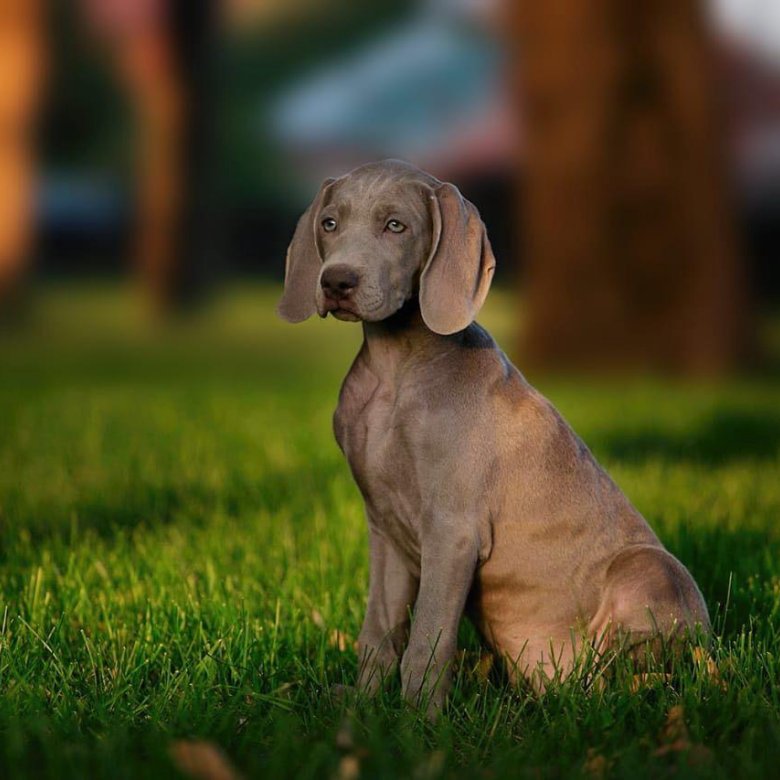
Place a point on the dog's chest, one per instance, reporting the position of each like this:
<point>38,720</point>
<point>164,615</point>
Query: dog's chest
<point>372,428</point>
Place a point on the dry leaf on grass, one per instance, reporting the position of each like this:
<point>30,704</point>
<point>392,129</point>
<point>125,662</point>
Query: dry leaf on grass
<point>596,765</point>
<point>202,760</point>
<point>349,768</point>
<point>336,638</point>
<point>474,665</point>
<point>317,619</point>
<point>674,738</point>
<point>706,662</point>
<point>484,666</point>
<point>341,640</point>
<point>647,680</point>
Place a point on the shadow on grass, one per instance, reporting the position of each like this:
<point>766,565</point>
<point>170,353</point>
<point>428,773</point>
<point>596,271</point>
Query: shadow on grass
<point>726,436</point>
<point>735,570</point>
<point>108,511</point>
<point>733,567</point>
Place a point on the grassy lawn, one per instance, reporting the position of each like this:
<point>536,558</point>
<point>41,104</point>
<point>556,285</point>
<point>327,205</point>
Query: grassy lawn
<point>183,556</point>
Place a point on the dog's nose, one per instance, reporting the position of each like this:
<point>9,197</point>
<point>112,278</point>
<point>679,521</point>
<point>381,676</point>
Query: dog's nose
<point>338,281</point>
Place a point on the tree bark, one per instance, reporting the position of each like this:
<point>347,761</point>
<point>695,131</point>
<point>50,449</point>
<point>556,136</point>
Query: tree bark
<point>162,52</point>
<point>631,254</point>
<point>22,66</point>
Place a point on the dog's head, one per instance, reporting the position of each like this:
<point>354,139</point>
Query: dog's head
<point>381,235</point>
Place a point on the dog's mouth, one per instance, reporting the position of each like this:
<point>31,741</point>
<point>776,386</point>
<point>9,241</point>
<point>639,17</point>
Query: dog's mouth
<point>342,310</point>
<point>346,315</point>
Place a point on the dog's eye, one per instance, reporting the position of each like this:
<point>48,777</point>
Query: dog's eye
<point>329,224</point>
<point>394,226</point>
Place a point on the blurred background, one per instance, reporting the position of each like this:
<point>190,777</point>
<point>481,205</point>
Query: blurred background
<point>182,547</point>
<point>626,160</point>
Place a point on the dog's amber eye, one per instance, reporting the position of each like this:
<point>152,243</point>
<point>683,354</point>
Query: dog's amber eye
<point>394,226</point>
<point>329,224</point>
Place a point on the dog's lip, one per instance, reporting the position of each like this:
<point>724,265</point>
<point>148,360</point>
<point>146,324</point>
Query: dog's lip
<point>331,304</point>
<point>342,307</point>
<point>345,314</point>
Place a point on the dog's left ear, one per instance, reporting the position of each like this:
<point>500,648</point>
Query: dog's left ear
<point>457,276</point>
<point>302,267</point>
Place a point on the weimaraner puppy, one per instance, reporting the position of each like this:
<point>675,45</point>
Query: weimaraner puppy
<point>479,497</point>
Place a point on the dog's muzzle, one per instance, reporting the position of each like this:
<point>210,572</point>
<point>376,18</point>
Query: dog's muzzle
<point>338,283</point>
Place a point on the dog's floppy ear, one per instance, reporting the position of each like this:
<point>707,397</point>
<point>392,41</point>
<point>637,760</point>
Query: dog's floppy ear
<point>302,267</point>
<point>456,278</point>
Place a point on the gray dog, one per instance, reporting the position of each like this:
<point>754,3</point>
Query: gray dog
<point>479,497</point>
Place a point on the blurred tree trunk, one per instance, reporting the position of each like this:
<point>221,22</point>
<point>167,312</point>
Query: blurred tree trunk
<point>162,50</point>
<point>631,251</point>
<point>22,64</point>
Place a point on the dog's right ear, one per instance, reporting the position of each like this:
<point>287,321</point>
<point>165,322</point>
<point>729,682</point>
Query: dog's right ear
<point>302,267</point>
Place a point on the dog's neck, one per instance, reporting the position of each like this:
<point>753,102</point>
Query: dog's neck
<point>400,338</point>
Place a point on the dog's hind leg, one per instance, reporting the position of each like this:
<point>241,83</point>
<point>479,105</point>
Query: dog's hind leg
<point>649,600</point>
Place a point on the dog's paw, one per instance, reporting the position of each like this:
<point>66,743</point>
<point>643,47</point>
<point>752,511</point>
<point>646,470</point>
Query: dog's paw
<point>426,687</point>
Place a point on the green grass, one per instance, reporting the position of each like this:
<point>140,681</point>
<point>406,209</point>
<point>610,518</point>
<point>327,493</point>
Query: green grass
<point>180,538</point>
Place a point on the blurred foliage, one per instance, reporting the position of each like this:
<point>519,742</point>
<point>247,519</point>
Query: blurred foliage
<point>257,63</point>
<point>87,123</point>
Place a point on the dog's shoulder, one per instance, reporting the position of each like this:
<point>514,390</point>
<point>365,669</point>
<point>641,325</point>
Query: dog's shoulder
<point>357,389</point>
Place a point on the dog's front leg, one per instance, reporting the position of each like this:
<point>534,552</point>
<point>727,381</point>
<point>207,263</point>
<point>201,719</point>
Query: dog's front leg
<point>391,594</point>
<point>447,571</point>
